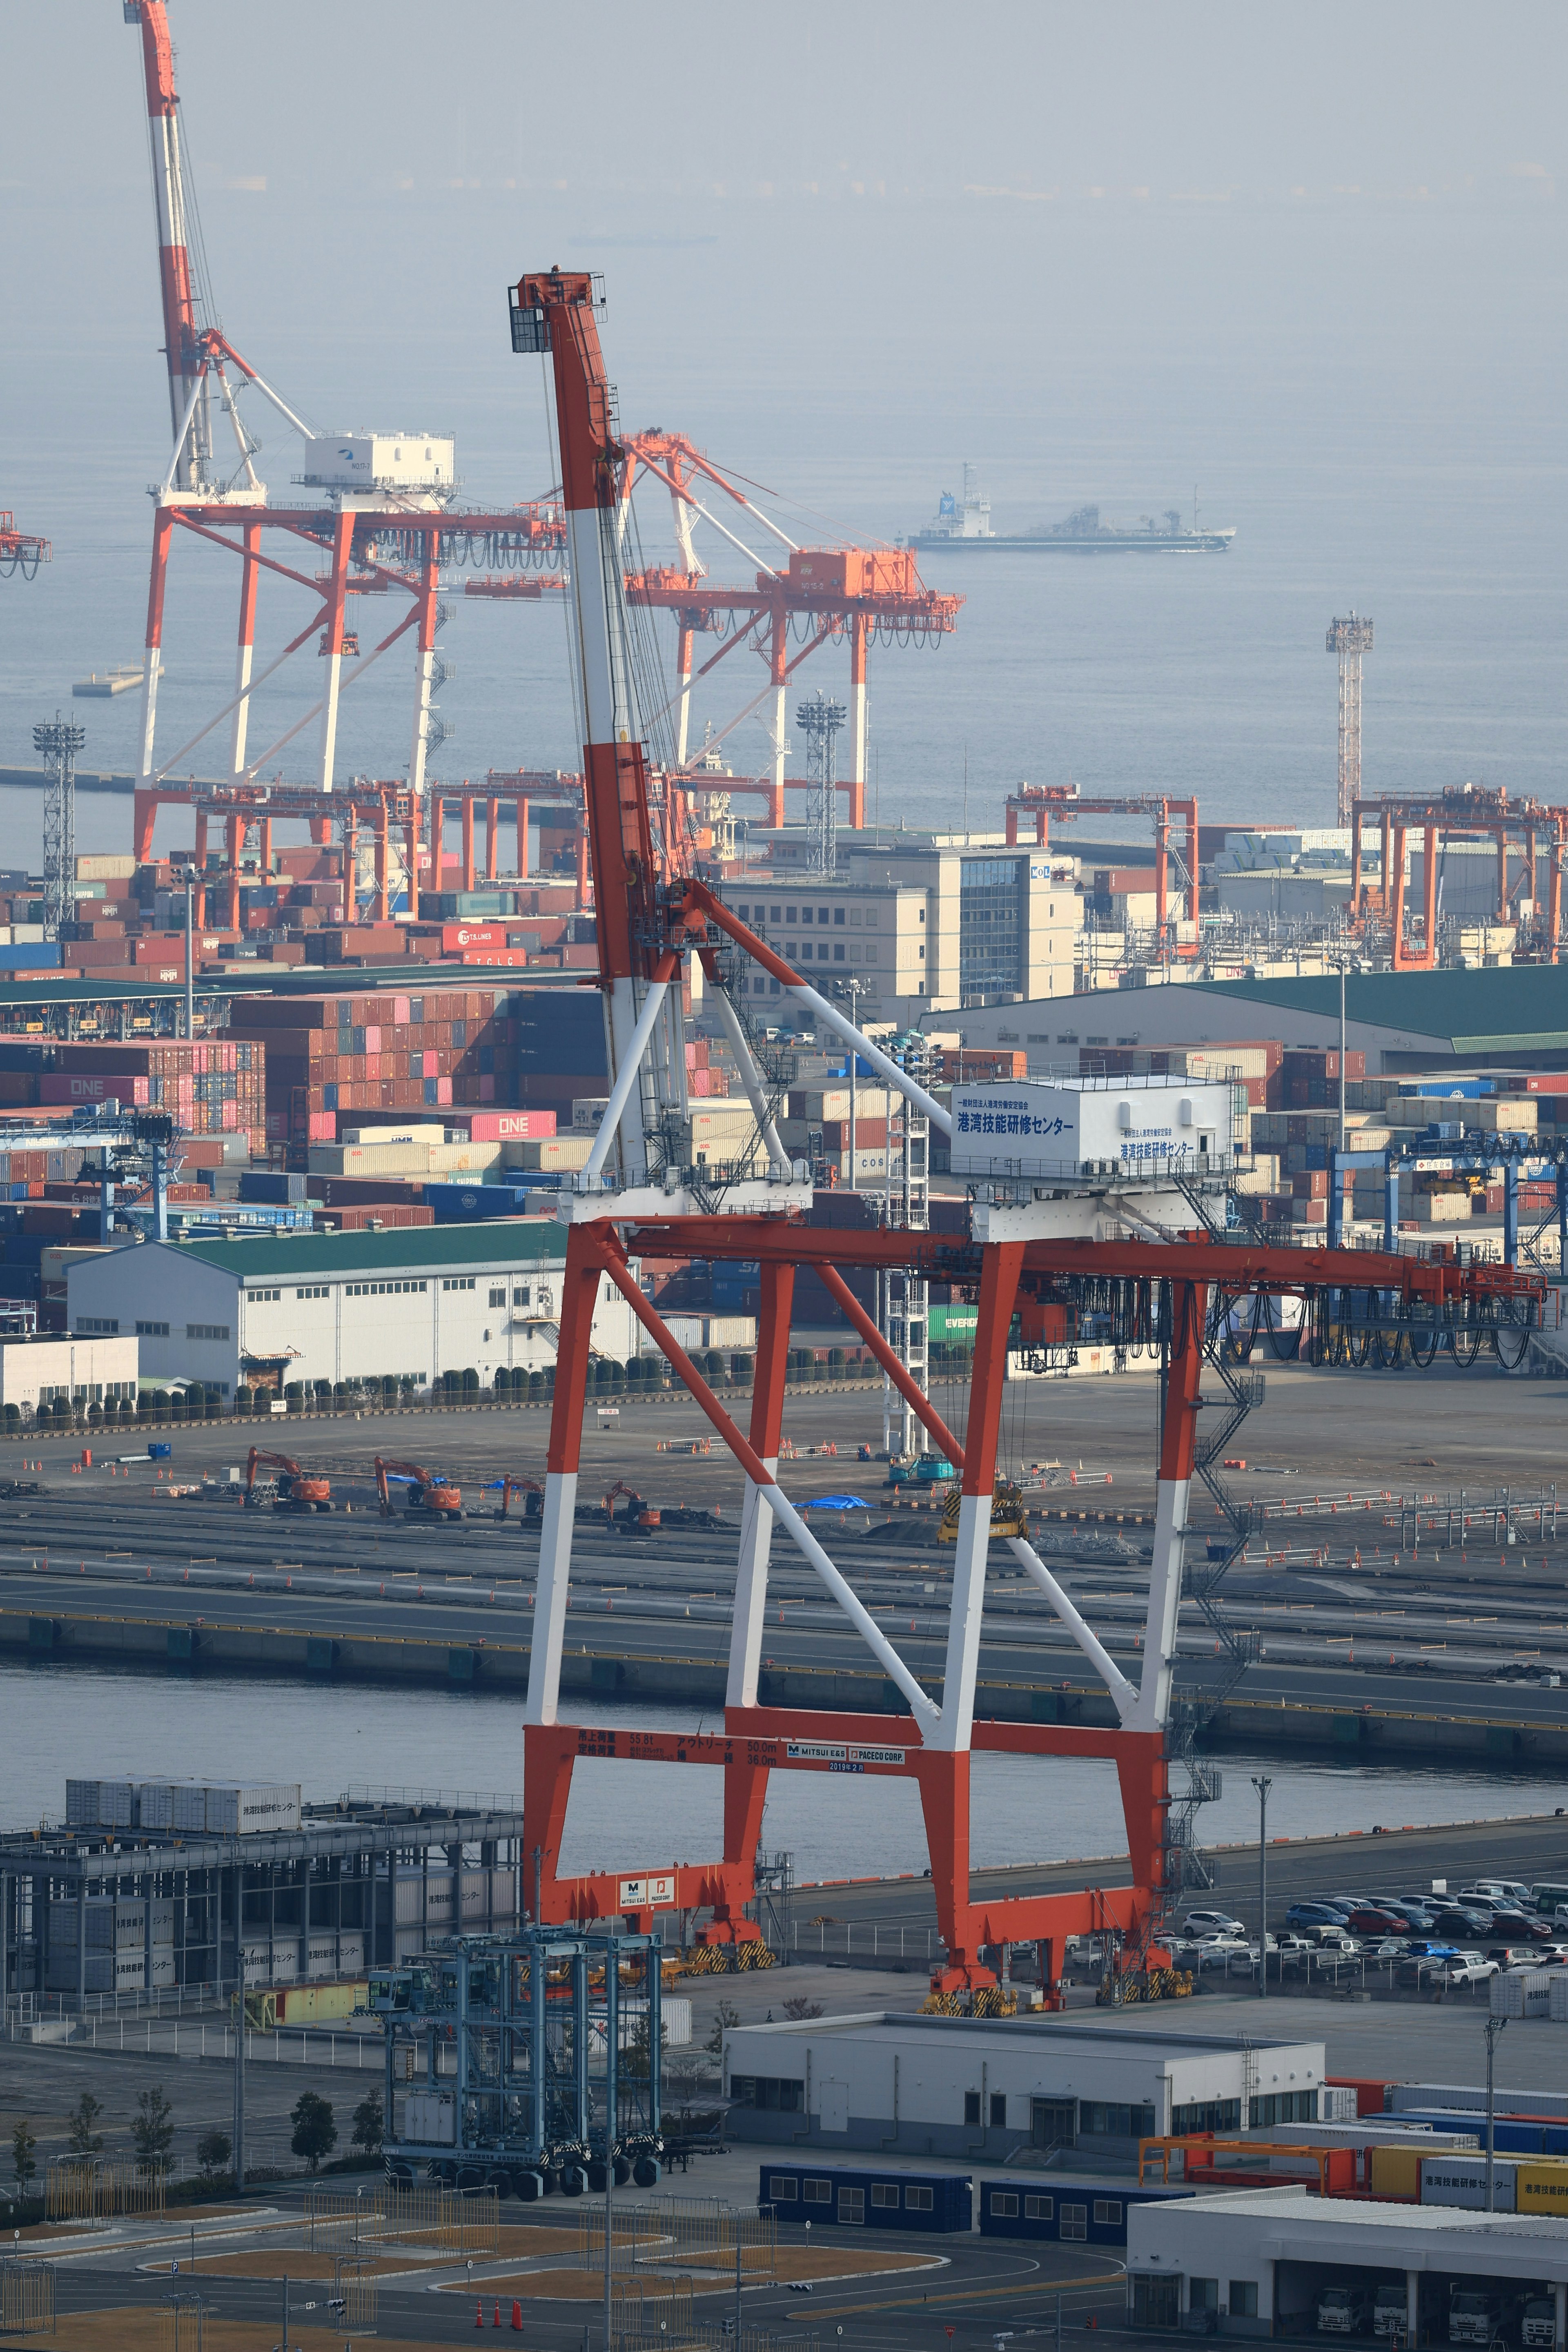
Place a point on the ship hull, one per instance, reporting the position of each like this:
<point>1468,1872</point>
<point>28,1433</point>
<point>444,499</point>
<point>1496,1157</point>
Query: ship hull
<point>1109,542</point>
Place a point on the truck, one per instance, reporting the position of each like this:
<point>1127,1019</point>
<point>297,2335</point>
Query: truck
<point>1390,2312</point>
<point>1479,2315</point>
<point>1344,2311</point>
<point>1539,2325</point>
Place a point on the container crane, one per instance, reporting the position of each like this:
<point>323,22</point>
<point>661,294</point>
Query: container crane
<point>431,1495</point>
<point>19,550</point>
<point>1033,806</point>
<point>296,1489</point>
<point>1054,1246</point>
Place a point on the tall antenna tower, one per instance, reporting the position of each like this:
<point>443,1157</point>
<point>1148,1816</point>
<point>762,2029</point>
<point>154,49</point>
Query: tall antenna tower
<point>59,743</point>
<point>822,720</point>
<point>1350,639</point>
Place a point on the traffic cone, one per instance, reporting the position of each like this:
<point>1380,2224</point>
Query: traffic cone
<point>496,2321</point>
<point>480,2313</point>
<point>517,2318</point>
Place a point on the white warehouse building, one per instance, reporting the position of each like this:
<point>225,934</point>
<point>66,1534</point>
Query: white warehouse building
<point>411,1303</point>
<point>1257,2261</point>
<point>987,2086</point>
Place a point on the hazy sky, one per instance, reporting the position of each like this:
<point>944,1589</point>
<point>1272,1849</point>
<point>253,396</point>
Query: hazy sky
<point>894,204</point>
<point>1312,258</point>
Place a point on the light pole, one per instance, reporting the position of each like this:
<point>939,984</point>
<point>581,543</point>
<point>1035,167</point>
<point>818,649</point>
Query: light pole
<point>1262,1782</point>
<point>1494,2027</point>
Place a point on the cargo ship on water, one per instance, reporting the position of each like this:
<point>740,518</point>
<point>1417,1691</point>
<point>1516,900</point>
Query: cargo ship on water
<point>966,522</point>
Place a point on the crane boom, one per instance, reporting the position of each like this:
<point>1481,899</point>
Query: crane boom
<point>554,311</point>
<point>171,205</point>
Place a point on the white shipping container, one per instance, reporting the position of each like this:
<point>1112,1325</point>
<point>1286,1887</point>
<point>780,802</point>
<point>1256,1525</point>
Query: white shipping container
<point>476,1893</point>
<point>503,1894</point>
<point>1133,1127</point>
<point>162,1971</point>
<point>286,1963</point>
<point>439,1894</point>
<point>407,1942</point>
<point>1462,2180</point>
<point>188,1802</point>
<point>250,1809</point>
<point>322,1955</point>
<point>409,1900</point>
<point>350,1955</point>
<point>1337,2103</point>
<point>130,1971</point>
<point>130,1927</point>
<point>1557,1997</point>
<point>81,1805</point>
<point>1522,1992</point>
<point>162,1923</point>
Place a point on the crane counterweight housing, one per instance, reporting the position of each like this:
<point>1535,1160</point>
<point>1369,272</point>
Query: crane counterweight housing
<point>379,461</point>
<point>1064,1128</point>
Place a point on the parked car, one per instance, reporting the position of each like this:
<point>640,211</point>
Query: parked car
<point>1515,1955</point>
<point>1417,1916</point>
<point>1511,1891</point>
<point>1468,1969</point>
<point>1217,1951</point>
<point>1523,1927</point>
<point>1303,1916</point>
<point>1210,1923</point>
<point>1388,1948</point>
<point>1332,1940</point>
<point>1371,1921</point>
<point>1455,1921</point>
<point>1422,1964</point>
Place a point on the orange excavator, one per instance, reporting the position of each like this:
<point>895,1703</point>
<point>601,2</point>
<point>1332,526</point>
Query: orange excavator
<point>530,1487</point>
<point>294,1490</point>
<point>427,1492</point>
<point>637,1514</point>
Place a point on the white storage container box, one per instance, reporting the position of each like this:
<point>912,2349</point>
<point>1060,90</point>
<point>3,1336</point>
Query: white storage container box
<point>246,1809</point>
<point>350,1955</point>
<point>1522,1992</point>
<point>1557,1996</point>
<point>162,1972</point>
<point>320,1955</point>
<point>1133,1127</point>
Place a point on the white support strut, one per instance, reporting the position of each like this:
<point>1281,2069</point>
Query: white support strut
<point>1123,1692</point>
<point>751,1594</point>
<point>626,1075</point>
<point>1153,1706</point>
<point>751,1078</point>
<point>884,1066</point>
<point>965,1614</point>
<point>927,1714</point>
<point>550,1596</point>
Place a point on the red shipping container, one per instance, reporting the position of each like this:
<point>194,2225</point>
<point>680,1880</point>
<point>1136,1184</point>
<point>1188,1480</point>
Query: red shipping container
<point>454,936</point>
<point>93,1087</point>
<point>1311,1185</point>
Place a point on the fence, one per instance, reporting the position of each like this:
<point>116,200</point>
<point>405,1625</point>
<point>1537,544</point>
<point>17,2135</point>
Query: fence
<point>26,2298</point>
<point>182,2322</point>
<point>641,2314</point>
<point>458,2221</point>
<point>702,2232</point>
<point>92,2188</point>
<point>353,2296</point>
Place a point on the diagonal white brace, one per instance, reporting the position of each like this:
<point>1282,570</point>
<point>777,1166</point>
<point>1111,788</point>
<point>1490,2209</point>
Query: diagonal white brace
<point>1122,1692</point>
<point>626,1075</point>
<point>926,1712</point>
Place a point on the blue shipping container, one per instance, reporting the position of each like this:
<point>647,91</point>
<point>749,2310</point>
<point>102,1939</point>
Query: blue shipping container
<point>1514,2134</point>
<point>1074,2212</point>
<point>865,2199</point>
<point>464,1203</point>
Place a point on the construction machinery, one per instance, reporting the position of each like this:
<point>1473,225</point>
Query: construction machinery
<point>530,1487</point>
<point>637,1514</point>
<point>428,1492</point>
<point>1009,1519</point>
<point>292,1490</point>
